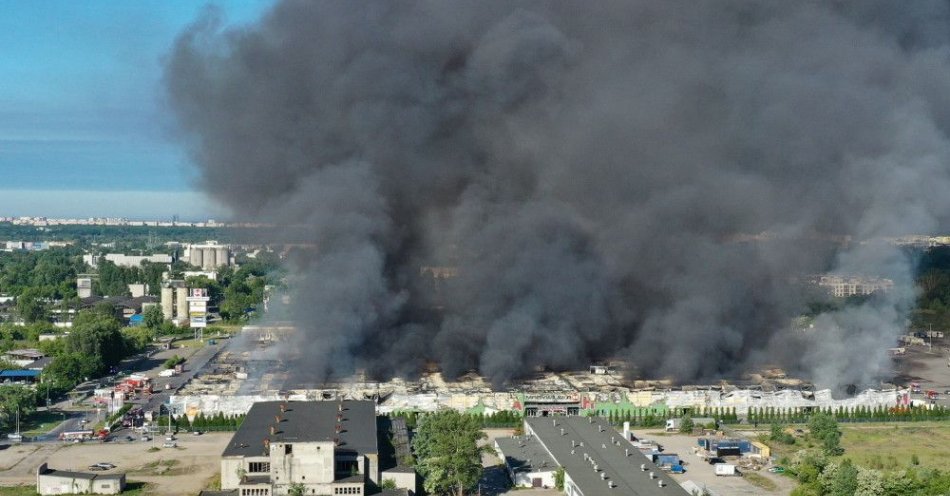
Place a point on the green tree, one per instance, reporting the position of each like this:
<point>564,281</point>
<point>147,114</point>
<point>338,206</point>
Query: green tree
<point>96,334</point>
<point>447,452</point>
<point>30,307</point>
<point>296,489</point>
<point>16,399</point>
<point>686,424</point>
<point>824,429</point>
<point>777,433</point>
<point>137,338</point>
<point>559,479</point>
<point>152,317</point>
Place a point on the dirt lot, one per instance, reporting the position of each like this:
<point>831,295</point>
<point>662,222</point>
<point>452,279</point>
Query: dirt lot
<point>169,471</point>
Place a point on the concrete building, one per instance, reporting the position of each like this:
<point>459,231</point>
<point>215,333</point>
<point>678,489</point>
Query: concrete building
<point>84,287</point>
<point>175,301</point>
<point>23,357</point>
<point>208,256</point>
<point>49,481</point>
<point>138,290</point>
<point>527,462</point>
<point>843,287</point>
<point>597,460</point>
<point>127,260</point>
<point>328,446</point>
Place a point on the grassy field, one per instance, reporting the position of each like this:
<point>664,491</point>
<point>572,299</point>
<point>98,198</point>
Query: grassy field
<point>891,446</point>
<point>885,446</point>
<point>41,423</point>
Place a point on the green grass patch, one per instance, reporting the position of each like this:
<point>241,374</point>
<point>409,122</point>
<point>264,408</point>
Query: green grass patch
<point>19,491</point>
<point>189,343</point>
<point>760,481</point>
<point>40,423</point>
<point>893,446</point>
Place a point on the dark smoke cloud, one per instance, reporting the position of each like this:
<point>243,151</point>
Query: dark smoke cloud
<point>593,169</point>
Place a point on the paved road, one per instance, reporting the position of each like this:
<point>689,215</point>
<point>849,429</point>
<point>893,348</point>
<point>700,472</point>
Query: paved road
<point>149,364</point>
<point>194,363</point>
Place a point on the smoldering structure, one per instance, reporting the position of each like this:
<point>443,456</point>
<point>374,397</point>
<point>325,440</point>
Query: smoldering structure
<point>621,179</point>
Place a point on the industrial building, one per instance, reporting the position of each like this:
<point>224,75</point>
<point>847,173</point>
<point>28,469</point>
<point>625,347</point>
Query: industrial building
<point>175,301</point>
<point>597,460</point>
<point>49,481</point>
<point>208,256</point>
<point>330,447</point>
<point>127,260</point>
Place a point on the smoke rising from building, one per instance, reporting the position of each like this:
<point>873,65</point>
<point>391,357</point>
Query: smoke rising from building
<point>593,170</point>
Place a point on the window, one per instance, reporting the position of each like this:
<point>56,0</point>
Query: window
<point>348,490</point>
<point>288,449</point>
<point>258,467</point>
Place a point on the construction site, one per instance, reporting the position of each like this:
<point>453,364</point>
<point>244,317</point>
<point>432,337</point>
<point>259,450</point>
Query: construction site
<point>249,368</point>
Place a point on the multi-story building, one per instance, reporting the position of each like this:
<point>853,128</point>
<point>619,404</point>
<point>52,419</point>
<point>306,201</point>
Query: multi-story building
<point>843,287</point>
<point>323,447</point>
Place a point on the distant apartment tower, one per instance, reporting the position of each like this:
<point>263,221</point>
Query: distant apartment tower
<point>208,256</point>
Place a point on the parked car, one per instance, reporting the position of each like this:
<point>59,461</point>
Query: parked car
<point>105,465</point>
<point>170,444</point>
<point>96,468</point>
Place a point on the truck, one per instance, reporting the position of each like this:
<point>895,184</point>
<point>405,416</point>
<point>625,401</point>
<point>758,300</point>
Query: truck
<point>725,469</point>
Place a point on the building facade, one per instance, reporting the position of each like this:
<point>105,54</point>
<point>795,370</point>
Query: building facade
<point>49,481</point>
<point>325,447</point>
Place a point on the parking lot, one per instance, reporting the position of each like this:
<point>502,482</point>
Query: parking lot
<point>703,474</point>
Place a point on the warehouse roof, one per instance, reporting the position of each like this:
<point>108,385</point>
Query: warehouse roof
<point>598,444</point>
<point>306,421</point>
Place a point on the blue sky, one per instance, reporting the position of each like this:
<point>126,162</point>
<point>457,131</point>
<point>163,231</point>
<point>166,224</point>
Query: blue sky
<point>81,112</point>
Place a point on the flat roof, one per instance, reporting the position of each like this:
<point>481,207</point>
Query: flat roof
<point>599,441</point>
<point>81,475</point>
<point>19,373</point>
<point>306,421</point>
<point>525,454</point>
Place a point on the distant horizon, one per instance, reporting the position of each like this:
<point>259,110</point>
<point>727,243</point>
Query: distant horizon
<point>127,204</point>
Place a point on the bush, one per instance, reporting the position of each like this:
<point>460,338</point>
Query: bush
<point>173,361</point>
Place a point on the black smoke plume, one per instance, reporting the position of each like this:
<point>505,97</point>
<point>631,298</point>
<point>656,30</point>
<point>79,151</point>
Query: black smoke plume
<point>633,179</point>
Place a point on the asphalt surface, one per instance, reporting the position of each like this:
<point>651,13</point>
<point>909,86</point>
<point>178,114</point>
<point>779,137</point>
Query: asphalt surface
<point>149,364</point>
